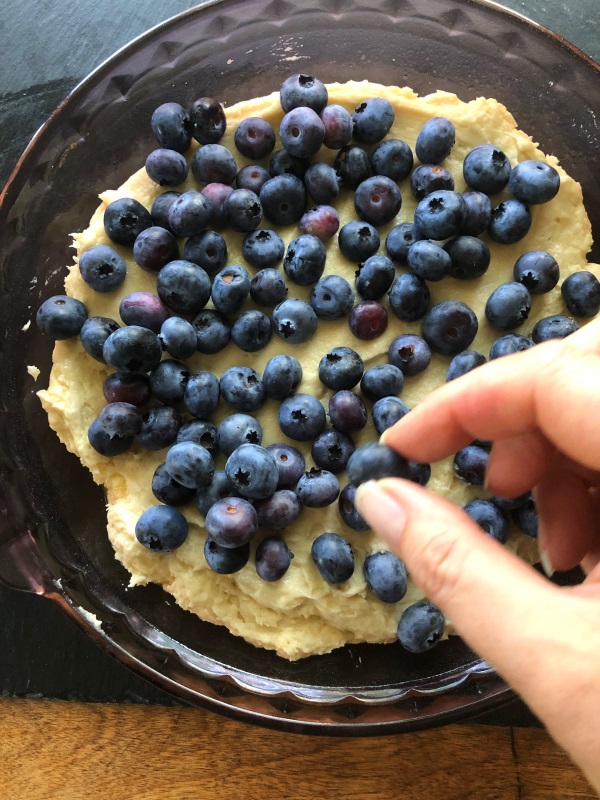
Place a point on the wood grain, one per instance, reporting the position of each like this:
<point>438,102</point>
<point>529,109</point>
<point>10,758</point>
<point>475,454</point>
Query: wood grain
<point>53,750</point>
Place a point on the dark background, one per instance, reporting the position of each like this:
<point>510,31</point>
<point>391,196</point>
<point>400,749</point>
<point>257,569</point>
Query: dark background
<point>47,48</point>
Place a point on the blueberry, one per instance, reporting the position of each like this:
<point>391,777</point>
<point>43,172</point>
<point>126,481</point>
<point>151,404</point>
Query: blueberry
<point>333,558</point>
<point>440,215</point>
<point>450,327</point>
<point>508,306</point>
<point>253,471</point>
<point>281,376</point>
<point>534,182</point>
<point>102,268</point>
<point>201,395</point>
<point>207,120</point>
<point>302,132</point>
<point>392,158</point>
<point>341,368</point>
<point>251,331</point>
<point>120,419</point>
<point>226,560</point>
<point>372,120</point>
<point>556,326</point>
<point>125,219</point>
<point>263,248</point>
<point>581,293</point>
<point>321,221</point>
<point>304,261</point>
<point>526,518</point>
<point>268,288</point>
<point>134,389</point>
<point>168,381</point>
<point>429,178</point>
<point>303,90</point>
<point>464,362</point>
<point>190,464</point>
<point>385,576</point>
<point>208,250</point>
<point>214,163</point>
<point>537,271</point>
<point>486,169</point>
<point>201,432</point>
<point>279,510</point>
<point>166,167</point>
<point>332,449</point>
<point>387,411</point>
<point>409,297</point>
<point>106,444</point>
<point>283,199</point>
<point>383,380</point>
<point>508,344</point>
<point>167,490</point>
<point>230,289</point>
<point>375,461</point>
<point>219,488</point>
<point>358,240</point>
<point>338,126</point>
<point>511,221</point>
<point>132,349</point>
<point>183,287</point>
<point>347,411</point>
<point>213,331</point>
<point>231,522</point>
<point>253,177</point>
<point>428,260</point>
<point>332,297</point>
<point>352,166</point>
<point>171,127</point>
<point>238,429</point>
<point>294,320</point>
<point>94,332</point>
<point>490,518</point>
<point>242,388</point>
<point>419,472</point>
<point>290,463</point>
<point>159,212</point>
<point>377,200</point>
<point>178,337</point>
<point>61,317</point>
<point>469,255</point>
<point>162,529</point>
<point>144,309</point>
<point>273,558</point>
<point>217,193</point>
<point>479,213</point>
<point>322,182</point>
<point>410,353</point>
<point>301,417</point>
<point>348,511</point>
<point>190,213</point>
<point>421,627</point>
<point>284,163</point>
<point>368,320</point>
<point>435,140</point>
<point>470,464</point>
<point>160,426</point>
<point>318,488</point>
<point>243,211</point>
<point>254,137</point>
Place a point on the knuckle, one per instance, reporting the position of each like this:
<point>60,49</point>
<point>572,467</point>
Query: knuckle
<point>440,565</point>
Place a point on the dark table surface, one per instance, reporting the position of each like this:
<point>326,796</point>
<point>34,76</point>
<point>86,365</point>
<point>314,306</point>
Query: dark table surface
<point>47,48</point>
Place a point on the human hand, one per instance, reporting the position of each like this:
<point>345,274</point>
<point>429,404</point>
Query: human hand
<point>541,408</point>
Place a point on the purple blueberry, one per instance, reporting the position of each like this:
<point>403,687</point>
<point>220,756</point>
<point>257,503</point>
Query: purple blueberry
<point>279,510</point>
<point>273,558</point>
<point>377,200</point>
<point>252,177</point>
<point>322,182</point>
<point>126,388</point>
<point>143,309</point>
<point>217,193</point>
<point>231,522</point>
<point>190,213</point>
<point>338,126</point>
<point>347,411</point>
<point>320,221</point>
<point>368,320</point>
<point>254,137</point>
<point>290,463</point>
<point>160,426</point>
<point>154,248</point>
<point>166,167</point>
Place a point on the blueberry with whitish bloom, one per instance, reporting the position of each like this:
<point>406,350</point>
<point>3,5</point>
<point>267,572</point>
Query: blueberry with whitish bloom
<point>508,344</point>
<point>428,260</point>
<point>279,510</point>
<point>479,213</point>
<point>201,394</point>
<point>251,331</point>
<point>318,488</point>
<point>341,368</point>
<point>171,126</point>
<point>435,140</point>
<point>464,362</point>
<point>304,261</point>
<point>410,353</point>
<point>168,381</point>
<point>169,491</point>
<point>486,169</point>
<point>208,250</point>
<point>166,167</point>
<point>125,219</point>
<point>94,332</point>
<point>510,222</point>
<point>132,349</point>
<point>214,163</point>
<point>254,137</point>
<point>238,429</point>
<point>440,215</point>
<point>102,268</point>
<point>301,417</point>
<point>161,529</point>
<point>556,326</point>
<point>253,471</point>
<point>331,450</point>
<point>383,380</point>
<point>470,257</point>
<point>377,200</point>
<point>421,627</point>
<point>387,411</point>
<point>399,240</point>
<point>332,297</point>
<point>358,240</point>
<point>508,306</point>
<point>242,388</point>
<point>303,90</point>
<point>428,178</point>
<point>61,317</point>
<point>372,120</point>
<point>333,558</point>
<point>322,182</point>
<point>219,488</point>
<point>202,432</point>
<point>581,293</point>
<point>252,176</point>
<point>392,158</point>
<point>243,211</point>
<point>281,376</point>
<point>190,464</point>
<point>374,277</point>
<point>450,327</point>
<point>385,576</point>
<point>230,288</point>
<point>190,213</point>
<point>294,320</point>
<point>183,286</point>
<point>178,337</point>
<point>213,331</point>
<point>537,270</point>
<point>302,132</point>
<point>268,288</point>
<point>283,199</point>
<point>263,248</point>
<point>534,182</point>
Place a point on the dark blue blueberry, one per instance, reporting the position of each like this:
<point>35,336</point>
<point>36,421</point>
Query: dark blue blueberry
<point>464,362</point>
<point>429,178</point>
<point>440,215</point>
<point>161,529</point>
<point>410,353</point>
<point>230,289</point>
<point>217,193</point>
<point>183,287</point>
<point>303,90</point>
<point>428,260</point>
<point>281,376</point>
<point>318,488</point>
<point>243,211</point>
<point>171,127</point>
<point>486,169</point>
<point>581,293</point>
<point>252,177</point>
<point>213,331</point>
<point>347,411</point>
<point>302,132</point>
<point>338,126</point>
<point>178,337</point>
<point>154,248</point>
<point>301,417</point>
<point>469,255</point>
<point>253,471</point>
<point>160,426</point>
<point>392,158</point>
<point>290,463</point>
<point>273,558</point>
<point>419,472</point>
<point>332,297</point>
<point>511,503</point>
<point>168,381</point>
<point>384,380</point>
<point>125,219</point>
<point>134,389</point>
<point>372,120</point>
<point>294,320</point>
<point>421,627</point>
<point>341,368</point>
<point>251,331</point>
<point>263,248</point>
<point>159,212</point>
<point>358,240</point>
<point>368,320</point>
<point>231,522</point>
<point>490,518</point>
<point>511,221</point>
<point>283,163</point>
<point>166,167</point>
<point>268,288</point>
<point>332,449</point>
<point>409,297</point>
<point>214,163</point>
<point>348,510</point>
<point>537,271</point>
<point>377,200</point>
<point>219,487</point>
<point>352,166</point>
<point>387,411</point>
<point>508,344</point>
<point>94,332</point>
<point>526,518</point>
<point>208,121</point>
<point>508,306</point>
<point>321,221</point>
<point>435,140</point>
<point>238,429</point>
<point>61,317</point>
<point>450,327</point>
<point>374,461</point>
<point>144,309</point>
<point>208,250</point>
<point>190,464</point>
<point>190,213</point>
<point>102,268</point>
<point>254,137</point>
<point>479,213</point>
<point>470,464</point>
<point>226,560</point>
<point>107,444</point>
<point>304,261</point>
<point>169,491</point>
<point>201,395</point>
<point>534,182</point>
<point>242,388</point>
<point>201,432</point>
<point>556,326</point>
<point>120,419</point>
<point>333,558</point>
<point>132,349</point>
<point>283,199</point>
<point>279,510</point>
<point>323,182</point>
<point>386,576</point>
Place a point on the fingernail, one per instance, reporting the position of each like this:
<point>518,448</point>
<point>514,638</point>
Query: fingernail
<point>546,564</point>
<point>382,511</point>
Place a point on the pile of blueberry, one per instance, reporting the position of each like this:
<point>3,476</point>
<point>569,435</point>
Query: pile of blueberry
<point>267,487</point>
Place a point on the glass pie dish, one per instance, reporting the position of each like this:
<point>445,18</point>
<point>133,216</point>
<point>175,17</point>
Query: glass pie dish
<point>52,520</point>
